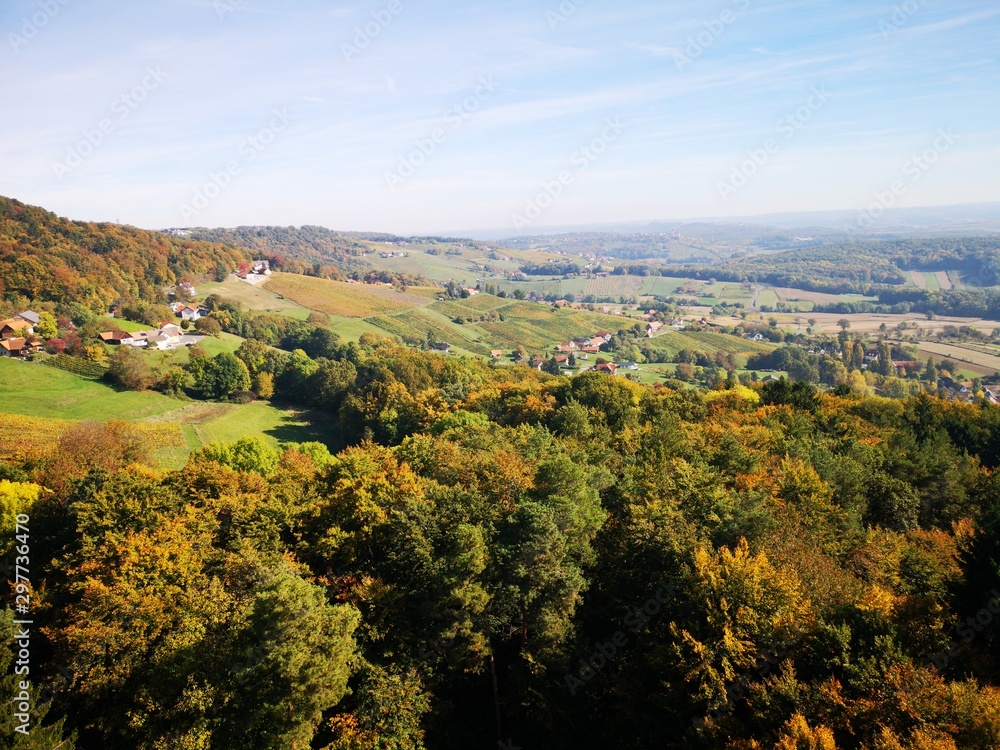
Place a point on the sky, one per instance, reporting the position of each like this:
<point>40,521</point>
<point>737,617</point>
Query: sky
<point>419,117</point>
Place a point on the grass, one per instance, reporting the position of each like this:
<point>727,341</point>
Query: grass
<point>255,298</point>
<point>40,403</point>
<point>768,298</point>
<point>36,391</point>
<point>262,419</point>
<point>341,298</point>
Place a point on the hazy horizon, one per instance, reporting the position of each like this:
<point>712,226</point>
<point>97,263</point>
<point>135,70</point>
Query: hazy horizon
<point>384,116</point>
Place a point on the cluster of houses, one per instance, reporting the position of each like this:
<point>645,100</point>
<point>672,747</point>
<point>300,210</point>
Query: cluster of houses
<point>254,272</point>
<point>17,335</point>
<point>168,336</point>
<point>584,347</point>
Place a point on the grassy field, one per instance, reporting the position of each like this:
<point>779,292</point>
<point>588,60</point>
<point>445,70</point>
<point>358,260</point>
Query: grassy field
<point>37,391</point>
<point>341,298</point>
<point>254,298</point>
<point>39,403</point>
<point>707,342</point>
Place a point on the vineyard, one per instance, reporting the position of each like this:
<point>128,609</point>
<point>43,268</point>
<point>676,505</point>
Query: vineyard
<point>82,367</point>
<point>22,437</point>
<point>707,342</point>
<point>341,298</point>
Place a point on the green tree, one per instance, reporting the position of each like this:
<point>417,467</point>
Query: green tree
<point>47,327</point>
<point>221,376</point>
<point>129,370</point>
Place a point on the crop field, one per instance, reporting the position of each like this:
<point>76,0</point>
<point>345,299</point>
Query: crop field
<point>22,436</point>
<point>768,298</point>
<point>484,302</point>
<point>254,298</point>
<point>969,360</point>
<point>441,267</point>
<point>341,298</point>
<point>707,342</point>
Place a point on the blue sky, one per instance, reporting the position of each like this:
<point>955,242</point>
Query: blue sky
<point>227,112</point>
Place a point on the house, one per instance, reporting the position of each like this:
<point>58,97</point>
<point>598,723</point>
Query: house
<point>29,315</point>
<point>191,312</point>
<point>536,363</point>
<point>169,329</point>
<point>591,349</point>
<point>562,360</point>
<point>604,335</point>
<point>118,338</point>
<point>628,366</point>
<point>653,328</point>
<point>569,346</point>
<point>496,354</point>
<point>13,347</point>
<point>771,379</point>
<point>445,348</point>
<point>13,328</point>
<point>677,323</point>
<point>607,369</point>
<point>186,288</point>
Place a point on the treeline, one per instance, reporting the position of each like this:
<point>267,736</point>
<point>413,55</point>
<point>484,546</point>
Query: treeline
<point>964,303</point>
<point>535,560</point>
<point>46,258</point>
<point>862,267</point>
<point>311,251</point>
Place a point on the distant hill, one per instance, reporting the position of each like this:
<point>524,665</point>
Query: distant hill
<point>856,267</point>
<point>308,245</point>
<point>47,258</point>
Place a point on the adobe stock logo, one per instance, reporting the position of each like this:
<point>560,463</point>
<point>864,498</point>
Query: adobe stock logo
<point>94,137</point>
<point>30,27</point>
<point>788,126</point>
<point>914,170</point>
<point>582,159</point>
<point>251,147</point>
<point>365,35</point>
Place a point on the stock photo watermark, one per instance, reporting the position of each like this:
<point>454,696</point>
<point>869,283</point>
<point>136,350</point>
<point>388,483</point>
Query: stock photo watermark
<point>455,118</point>
<point>606,650</point>
<point>787,126</point>
<point>372,30</point>
<point>914,170</point>
<point>901,16</point>
<point>224,7</point>
<point>968,631</point>
<point>713,29</point>
<point>737,690</point>
<point>582,159</point>
<point>251,147</point>
<point>560,15</point>
<point>94,137</point>
<point>31,26</point>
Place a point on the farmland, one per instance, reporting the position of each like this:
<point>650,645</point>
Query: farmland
<point>254,298</point>
<point>971,359</point>
<point>341,298</point>
<point>39,403</point>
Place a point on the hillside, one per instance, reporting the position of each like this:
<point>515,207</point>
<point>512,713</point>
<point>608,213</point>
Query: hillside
<point>856,267</point>
<point>47,258</point>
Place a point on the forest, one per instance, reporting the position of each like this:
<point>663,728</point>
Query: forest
<point>49,259</point>
<point>860,267</point>
<point>500,555</point>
